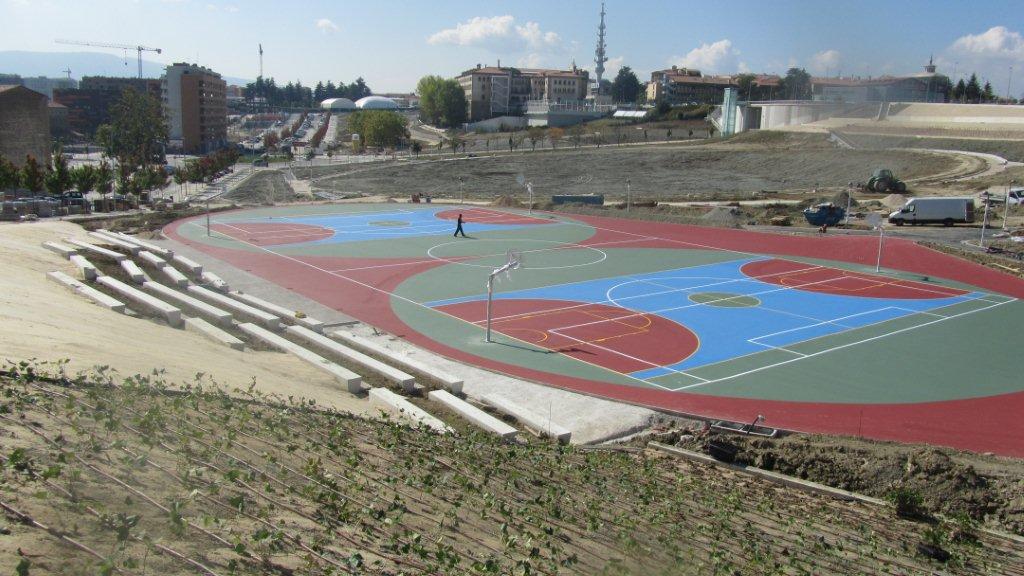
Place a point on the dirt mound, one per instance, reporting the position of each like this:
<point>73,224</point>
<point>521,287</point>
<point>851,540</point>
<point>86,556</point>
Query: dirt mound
<point>729,215</point>
<point>841,199</point>
<point>507,201</point>
<point>894,201</point>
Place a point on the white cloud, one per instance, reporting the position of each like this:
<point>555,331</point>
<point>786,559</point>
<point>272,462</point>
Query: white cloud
<point>611,67</point>
<point>231,8</point>
<point>326,26</point>
<point>996,42</point>
<point>743,68</point>
<point>531,60</point>
<point>497,33</point>
<point>717,57</point>
<point>826,62</point>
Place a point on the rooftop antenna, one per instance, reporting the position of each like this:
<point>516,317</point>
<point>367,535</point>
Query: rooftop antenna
<point>261,60</point>
<point>68,72</point>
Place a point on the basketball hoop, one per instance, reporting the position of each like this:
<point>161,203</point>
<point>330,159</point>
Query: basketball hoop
<point>513,262</point>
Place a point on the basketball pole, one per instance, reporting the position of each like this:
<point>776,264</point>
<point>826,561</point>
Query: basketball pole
<point>881,238</point>
<point>512,264</point>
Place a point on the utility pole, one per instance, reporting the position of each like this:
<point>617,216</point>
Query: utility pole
<point>1009,84</point>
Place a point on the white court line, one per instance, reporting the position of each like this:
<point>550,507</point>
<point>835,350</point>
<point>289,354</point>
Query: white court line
<point>840,347</point>
<point>832,321</point>
<point>343,214</point>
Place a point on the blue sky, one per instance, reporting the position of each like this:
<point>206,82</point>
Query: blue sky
<point>393,43</point>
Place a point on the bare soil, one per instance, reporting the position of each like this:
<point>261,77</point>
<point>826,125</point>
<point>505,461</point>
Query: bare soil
<point>264,187</point>
<point>1012,150</point>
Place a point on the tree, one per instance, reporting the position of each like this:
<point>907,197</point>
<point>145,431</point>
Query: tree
<point>319,93</point>
<point>535,134</point>
<point>32,175</point>
<point>554,135</point>
<point>104,179</point>
<point>745,83</point>
<point>442,102</point>
<point>270,141</point>
<point>973,91</point>
<point>58,177</point>
<point>626,86</point>
<point>987,95</point>
<point>796,85</point>
<point>9,176</point>
<point>416,147</point>
<point>381,128</point>
<point>959,91</point>
<point>576,135</point>
<point>136,132</point>
<point>84,178</point>
<point>454,141</point>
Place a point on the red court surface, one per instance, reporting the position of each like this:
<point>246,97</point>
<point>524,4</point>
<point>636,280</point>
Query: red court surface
<point>842,282</point>
<point>272,234</point>
<point>487,216</point>
<point>619,340</point>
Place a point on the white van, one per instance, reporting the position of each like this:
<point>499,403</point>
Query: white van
<point>945,211</point>
<point>1015,196</point>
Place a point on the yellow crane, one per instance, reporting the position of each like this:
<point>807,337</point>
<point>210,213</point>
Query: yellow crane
<point>138,48</point>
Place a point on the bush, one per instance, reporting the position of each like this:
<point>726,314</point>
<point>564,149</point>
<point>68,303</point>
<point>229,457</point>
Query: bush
<point>908,502</point>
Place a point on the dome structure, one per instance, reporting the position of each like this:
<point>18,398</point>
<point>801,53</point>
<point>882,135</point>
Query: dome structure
<point>376,103</point>
<point>338,104</point>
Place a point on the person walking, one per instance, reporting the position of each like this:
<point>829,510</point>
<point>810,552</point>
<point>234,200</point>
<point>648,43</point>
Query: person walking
<point>458,228</point>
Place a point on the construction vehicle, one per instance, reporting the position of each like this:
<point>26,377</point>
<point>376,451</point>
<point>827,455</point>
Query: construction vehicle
<point>883,180</point>
<point>826,214</point>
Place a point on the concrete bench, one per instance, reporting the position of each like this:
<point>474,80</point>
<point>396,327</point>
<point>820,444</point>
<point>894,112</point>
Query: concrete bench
<point>214,281</point>
<point>133,271</point>
<point>87,291</point>
<point>218,316</point>
<point>352,381</point>
<point>153,259</point>
<point>267,319</point>
<point>213,333</point>
<point>85,268</point>
<point>540,423</point>
<point>96,249</point>
<point>393,404</point>
<point>63,249</point>
<point>115,241</point>
<point>473,414</point>
<point>406,381</point>
<point>192,266</point>
<point>163,252</point>
<point>452,383</point>
<point>177,278</point>
<point>284,313</point>
<point>170,313</point>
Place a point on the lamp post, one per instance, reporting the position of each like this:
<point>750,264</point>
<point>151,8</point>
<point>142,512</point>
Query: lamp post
<point>462,194</point>
<point>984,223</point>
<point>627,195</point>
<point>529,188</point>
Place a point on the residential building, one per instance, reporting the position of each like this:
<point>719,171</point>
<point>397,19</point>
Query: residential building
<point>928,86</point>
<point>46,86</point>
<point>196,108</point>
<point>24,125</point>
<point>687,86</point>
<point>501,91</point>
<point>89,105</point>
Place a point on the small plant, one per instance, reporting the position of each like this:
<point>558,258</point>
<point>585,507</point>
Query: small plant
<point>908,502</point>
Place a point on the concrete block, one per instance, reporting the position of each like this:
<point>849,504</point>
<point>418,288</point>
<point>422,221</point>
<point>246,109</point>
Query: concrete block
<point>170,313</point>
<point>213,333</point>
<point>267,319</point>
<point>352,381</point>
<point>406,381</point>
<point>284,313</point>
<point>85,268</point>
<point>152,259</point>
<point>214,281</point>
<point>149,246</point>
<point>115,241</point>
<point>96,249</point>
<point>473,414</point>
<point>63,249</point>
<point>540,423</point>
<point>133,271</point>
<point>393,404</point>
<point>192,266</point>
<point>452,383</point>
<point>177,278</point>
<point>217,315</point>
<point>87,291</point>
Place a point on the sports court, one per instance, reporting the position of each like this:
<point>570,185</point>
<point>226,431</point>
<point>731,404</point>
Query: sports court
<point>714,322</point>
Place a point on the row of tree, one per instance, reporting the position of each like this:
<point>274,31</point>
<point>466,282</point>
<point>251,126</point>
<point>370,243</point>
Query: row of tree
<point>294,94</point>
<point>972,91</point>
<point>57,178</point>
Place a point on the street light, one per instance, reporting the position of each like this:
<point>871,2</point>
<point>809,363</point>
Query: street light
<point>1006,203</point>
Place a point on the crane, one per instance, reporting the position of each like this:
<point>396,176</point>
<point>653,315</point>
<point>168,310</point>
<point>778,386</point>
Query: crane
<point>138,48</point>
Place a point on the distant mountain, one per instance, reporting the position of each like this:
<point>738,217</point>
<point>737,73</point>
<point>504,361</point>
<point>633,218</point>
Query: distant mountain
<point>51,64</point>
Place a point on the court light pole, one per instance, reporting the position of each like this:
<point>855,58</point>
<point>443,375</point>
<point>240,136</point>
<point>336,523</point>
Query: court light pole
<point>207,216</point>
<point>627,194</point>
<point>984,222</point>
<point>529,188</point>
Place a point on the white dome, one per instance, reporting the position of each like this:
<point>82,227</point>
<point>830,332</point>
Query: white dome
<point>376,103</point>
<point>338,104</point>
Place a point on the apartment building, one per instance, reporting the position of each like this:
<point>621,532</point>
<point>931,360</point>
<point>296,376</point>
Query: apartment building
<point>24,125</point>
<point>88,106</point>
<point>195,105</point>
<point>504,91</point>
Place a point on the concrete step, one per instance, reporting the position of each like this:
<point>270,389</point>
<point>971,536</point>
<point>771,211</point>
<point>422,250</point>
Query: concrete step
<point>63,249</point>
<point>170,313</point>
<point>265,318</point>
<point>406,381</point>
<point>452,383</point>
<point>395,405</point>
<point>87,291</point>
<point>85,268</point>
<point>284,313</point>
<point>177,278</point>
<point>540,423</point>
<point>213,333</point>
<point>153,259</point>
<point>133,271</point>
<point>115,241</point>
<point>214,281</point>
<point>192,266</point>
<point>217,315</point>
<point>351,380</point>
<point>95,249</point>
<point>475,415</point>
<point>162,252</point>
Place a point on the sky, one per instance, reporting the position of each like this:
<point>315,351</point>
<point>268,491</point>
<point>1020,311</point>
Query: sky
<point>392,44</point>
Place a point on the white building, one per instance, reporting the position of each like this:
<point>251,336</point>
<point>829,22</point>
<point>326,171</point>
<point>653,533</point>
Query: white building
<point>376,103</point>
<point>338,104</point>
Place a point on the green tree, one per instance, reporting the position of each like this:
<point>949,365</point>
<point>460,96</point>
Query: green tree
<point>959,91</point>
<point>972,93</point>
<point>32,175</point>
<point>535,134</point>
<point>442,102</point>
<point>416,147</point>
<point>9,176</point>
<point>104,179</point>
<point>796,85</point>
<point>626,86</point>
<point>745,83</point>
<point>84,178</point>
<point>58,177</point>
<point>987,95</point>
<point>137,130</point>
<point>380,128</point>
